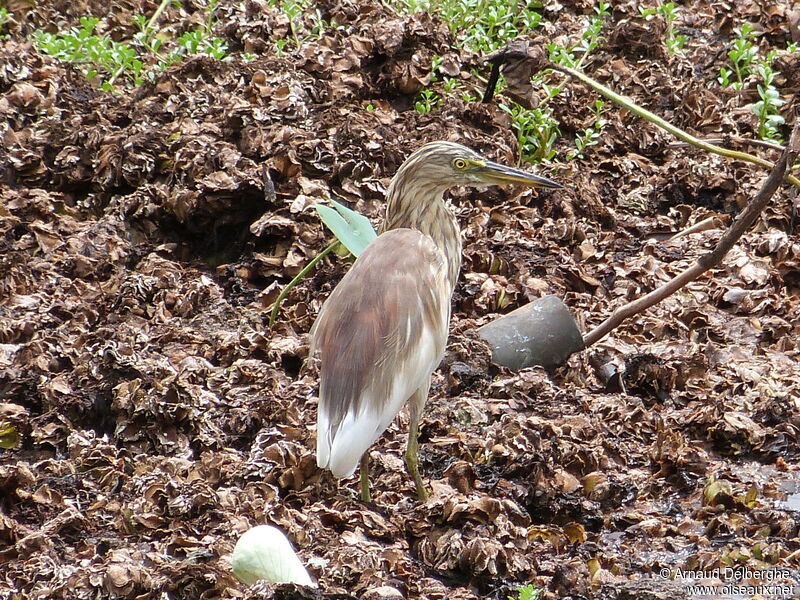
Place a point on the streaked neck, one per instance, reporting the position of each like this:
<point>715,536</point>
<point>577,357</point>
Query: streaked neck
<point>420,206</point>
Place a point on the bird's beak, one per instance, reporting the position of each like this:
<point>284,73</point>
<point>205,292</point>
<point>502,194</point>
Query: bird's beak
<point>495,173</point>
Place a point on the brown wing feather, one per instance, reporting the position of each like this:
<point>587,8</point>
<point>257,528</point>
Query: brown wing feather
<point>373,316</point>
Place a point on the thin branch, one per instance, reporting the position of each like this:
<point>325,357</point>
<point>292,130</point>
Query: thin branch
<point>742,223</point>
<point>703,225</point>
<point>736,139</point>
<point>667,126</point>
<point>151,23</point>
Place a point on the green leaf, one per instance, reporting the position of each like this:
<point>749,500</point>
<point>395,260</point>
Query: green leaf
<point>9,436</point>
<point>352,229</point>
<point>527,592</point>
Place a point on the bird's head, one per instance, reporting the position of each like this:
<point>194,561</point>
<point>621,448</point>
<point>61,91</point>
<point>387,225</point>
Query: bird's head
<point>447,164</point>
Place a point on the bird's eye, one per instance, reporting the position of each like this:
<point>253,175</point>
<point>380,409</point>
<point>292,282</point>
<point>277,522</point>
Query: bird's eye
<point>460,164</point>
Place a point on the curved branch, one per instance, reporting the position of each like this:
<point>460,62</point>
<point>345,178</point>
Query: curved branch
<point>667,126</point>
<point>742,223</point>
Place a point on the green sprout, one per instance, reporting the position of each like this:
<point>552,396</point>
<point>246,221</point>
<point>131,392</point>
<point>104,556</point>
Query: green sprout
<point>591,135</point>
<point>92,52</point>
<point>768,107</point>
<point>99,55</point>
<point>5,18</point>
<point>592,35</point>
<point>536,129</point>
<point>675,42</point>
<point>428,100</point>
<point>742,53</point>
<point>352,230</point>
<point>527,592</point>
<point>481,25</point>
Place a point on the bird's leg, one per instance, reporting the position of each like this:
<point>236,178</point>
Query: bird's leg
<point>364,477</point>
<point>415,406</point>
<point>412,463</point>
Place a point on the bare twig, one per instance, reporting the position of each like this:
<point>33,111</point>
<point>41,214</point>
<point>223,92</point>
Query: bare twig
<point>703,225</point>
<point>519,59</point>
<point>736,139</point>
<point>742,223</point>
<point>627,103</point>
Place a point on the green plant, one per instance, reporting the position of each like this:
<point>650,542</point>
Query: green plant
<point>494,23</point>
<point>591,135</point>
<point>560,55</point>
<point>590,40</point>
<point>768,107</point>
<point>643,113</point>
<point>536,128</point>
<point>93,52</point>
<point>481,25</point>
<point>150,42</point>
<point>352,230</point>
<point>427,101</point>
<point>319,25</point>
<point>450,84</point>
<point>744,62</point>
<point>295,11</point>
<point>674,41</point>
<point>742,53</point>
<point>144,37</point>
<point>5,18</point>
<point>100,55</point>
<point>527,592</point>
<point>210,10</point>
<point>436,62</point>
<point>592,35</point>
<point>198,42</point>
<point>147,36</point>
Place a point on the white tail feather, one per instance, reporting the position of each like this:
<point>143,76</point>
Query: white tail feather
<point>341,450</point>
<point>323,438</point>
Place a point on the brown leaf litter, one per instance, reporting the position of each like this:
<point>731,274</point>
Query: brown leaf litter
<point>153,417</point>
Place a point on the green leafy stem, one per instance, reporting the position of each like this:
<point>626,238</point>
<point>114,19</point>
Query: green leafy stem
<point>352,230</point>
<point>285,292</point>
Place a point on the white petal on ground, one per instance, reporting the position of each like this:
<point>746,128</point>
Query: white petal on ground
<point>263,552</point>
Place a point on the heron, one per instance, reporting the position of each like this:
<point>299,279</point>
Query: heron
<point>382,331</point>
